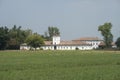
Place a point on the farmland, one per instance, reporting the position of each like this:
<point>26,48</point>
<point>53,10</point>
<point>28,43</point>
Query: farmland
<point>59,65</point>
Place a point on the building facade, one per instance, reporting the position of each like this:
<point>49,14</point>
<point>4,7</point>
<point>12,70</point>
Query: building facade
<point>87,43</point>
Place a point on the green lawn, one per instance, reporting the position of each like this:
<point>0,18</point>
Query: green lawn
<point>59,65</point>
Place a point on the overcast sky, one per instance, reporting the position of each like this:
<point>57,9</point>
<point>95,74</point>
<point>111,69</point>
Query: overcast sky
<point>74,18</point>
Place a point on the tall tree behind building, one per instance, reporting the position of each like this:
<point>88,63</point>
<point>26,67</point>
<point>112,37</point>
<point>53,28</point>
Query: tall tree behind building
<point>52,31</point>
<point>106,33</point>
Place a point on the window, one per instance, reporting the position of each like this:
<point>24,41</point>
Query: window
<point>96,43</point>
<point>66,47</point>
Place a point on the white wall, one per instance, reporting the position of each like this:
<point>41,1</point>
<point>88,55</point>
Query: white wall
<point>24,47</point>
<point>56,40</point>
<point>48,47</point>
<point>67,47</point>
<point>95,44</point>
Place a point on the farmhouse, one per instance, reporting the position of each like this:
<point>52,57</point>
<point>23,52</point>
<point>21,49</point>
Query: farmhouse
<point>86,43</point>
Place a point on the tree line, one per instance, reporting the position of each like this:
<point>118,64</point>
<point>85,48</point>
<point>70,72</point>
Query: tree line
<point>12,38</point>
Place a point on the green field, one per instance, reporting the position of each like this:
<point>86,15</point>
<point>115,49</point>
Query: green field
<point>59,65</point>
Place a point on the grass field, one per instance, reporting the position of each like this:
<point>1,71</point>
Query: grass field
<point>59,65</point>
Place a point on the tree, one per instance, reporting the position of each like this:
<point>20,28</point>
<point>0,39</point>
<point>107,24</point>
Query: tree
<point>4,37</point>
<point>35,40</point>
<point>45,36</point>
<point>106,33</point>
<point>14,33</point>
<point>12,38</point>
<point>118,42</point>
<point>52,31</point>
<point>17,37</point>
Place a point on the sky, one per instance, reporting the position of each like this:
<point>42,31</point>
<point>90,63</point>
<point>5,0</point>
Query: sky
<point>74,18</point>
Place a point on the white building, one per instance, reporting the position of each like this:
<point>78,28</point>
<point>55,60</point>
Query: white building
<point>87,43</point>
<point>24,47</point>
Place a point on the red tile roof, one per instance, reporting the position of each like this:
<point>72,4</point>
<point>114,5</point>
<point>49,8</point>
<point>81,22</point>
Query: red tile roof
<point>48,42</point>
<point>87,39</point>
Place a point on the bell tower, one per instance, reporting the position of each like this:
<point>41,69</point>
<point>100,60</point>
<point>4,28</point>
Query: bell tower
<point>56,40</point>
